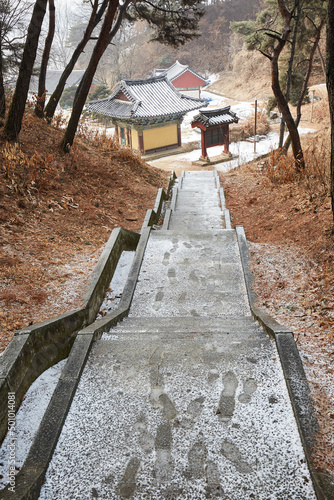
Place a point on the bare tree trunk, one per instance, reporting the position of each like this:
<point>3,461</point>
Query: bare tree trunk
<point>16,111</point>
<point>39,108</point>
<point>84,87</point>
<point>275,85</point>
<point>322,62</point>
<point>95,18</point>
<point>330,87</point>
<point>2,88</point>
<point>305,83</point>
<point>290,123</point>
<point>290,67</point>
<point>281,133</point>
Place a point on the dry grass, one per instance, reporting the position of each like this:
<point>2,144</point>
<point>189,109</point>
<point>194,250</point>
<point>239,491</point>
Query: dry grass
<point>320,113</point>
<point>249,78</point>
<point>57,211</point>
<point>314,180</point>
<point>316,177</point>
<point>27,174</point>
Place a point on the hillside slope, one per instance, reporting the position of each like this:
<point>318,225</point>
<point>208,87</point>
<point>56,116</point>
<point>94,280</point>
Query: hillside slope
<point>56,213</point>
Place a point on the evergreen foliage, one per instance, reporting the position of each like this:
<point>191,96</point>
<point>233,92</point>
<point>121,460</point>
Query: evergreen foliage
<point>67,98</point>
<point>261,34</point>
<point>174,22</point>
<point>99,92</point>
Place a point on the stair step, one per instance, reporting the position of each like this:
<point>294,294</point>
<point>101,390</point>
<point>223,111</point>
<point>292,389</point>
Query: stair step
<point>187,324</point>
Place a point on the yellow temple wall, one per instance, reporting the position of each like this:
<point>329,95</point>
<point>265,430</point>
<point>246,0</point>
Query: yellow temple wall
<point>134,139</point>
<point>160,137</point>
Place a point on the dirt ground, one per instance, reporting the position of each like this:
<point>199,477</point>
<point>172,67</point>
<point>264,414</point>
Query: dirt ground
<point>56,213</point>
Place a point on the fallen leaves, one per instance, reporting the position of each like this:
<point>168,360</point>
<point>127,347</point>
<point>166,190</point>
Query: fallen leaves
<point>53,227</point>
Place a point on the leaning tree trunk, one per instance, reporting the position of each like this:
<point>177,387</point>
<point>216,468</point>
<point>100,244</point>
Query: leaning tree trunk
<point>85,84</point>
<point>2,88</point>
<point>305,83</point>
<point>39,108</point>
<point>95,18</point>
<point>16,111</point>
<point>288,118</point>
<point>322,62</point>
<point>330,87</point>
<point>290,68</point>
<point>275,85</point>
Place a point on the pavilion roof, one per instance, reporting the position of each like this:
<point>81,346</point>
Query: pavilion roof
<point>213,117</point>
<point>142,99</point>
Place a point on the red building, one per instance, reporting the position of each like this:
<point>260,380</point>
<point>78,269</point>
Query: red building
<point>184,79</point>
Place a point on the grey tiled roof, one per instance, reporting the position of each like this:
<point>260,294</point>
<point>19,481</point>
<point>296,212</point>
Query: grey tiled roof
<point>213,117</point>
<point>176,70</point>
<point>148,98</point>
<point>52,79</point>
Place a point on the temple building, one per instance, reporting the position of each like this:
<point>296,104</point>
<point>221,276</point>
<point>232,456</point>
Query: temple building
<point>183,78</point>
<point>214,125</point>
<point>147,113</point>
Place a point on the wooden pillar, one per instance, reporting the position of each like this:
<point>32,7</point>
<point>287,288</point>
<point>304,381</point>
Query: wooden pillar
<point>179,135</point>
<point>141,141</point>
<point>227,139</point>
<point>119,135</point>
<point>203,141</point>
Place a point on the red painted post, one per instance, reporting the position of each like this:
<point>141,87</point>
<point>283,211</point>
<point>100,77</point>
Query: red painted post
<point>203,140</point>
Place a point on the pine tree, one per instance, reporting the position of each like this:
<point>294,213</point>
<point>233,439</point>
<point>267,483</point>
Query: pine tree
<point>287,33</point>
<point>174,23</point>
<point>16,111</point>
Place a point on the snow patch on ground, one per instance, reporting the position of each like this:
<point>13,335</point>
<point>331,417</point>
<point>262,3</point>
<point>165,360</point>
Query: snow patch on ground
<point>243,110</point>
<point>116,287</point>
<point>27,421</point>
<point>243,149</point>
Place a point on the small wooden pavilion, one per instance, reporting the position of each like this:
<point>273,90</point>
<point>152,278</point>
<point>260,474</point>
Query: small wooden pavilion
<point>147,113</point>
<point>214,125</point>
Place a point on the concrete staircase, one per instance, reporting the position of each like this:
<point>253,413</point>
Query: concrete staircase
<point>186,397</point>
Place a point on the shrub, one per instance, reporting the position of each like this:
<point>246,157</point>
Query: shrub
<point>315,178</point>
<point>271,104</point>
<point>280,168</point>
<point>25,174</point>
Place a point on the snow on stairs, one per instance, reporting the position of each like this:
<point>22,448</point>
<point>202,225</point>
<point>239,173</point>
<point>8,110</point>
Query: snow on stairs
<point>198,203</point>
<point>186,324</point>
<point>185,399</point>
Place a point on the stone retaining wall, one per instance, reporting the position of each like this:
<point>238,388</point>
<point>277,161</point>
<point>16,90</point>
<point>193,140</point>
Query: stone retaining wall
<point>36,348</point>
